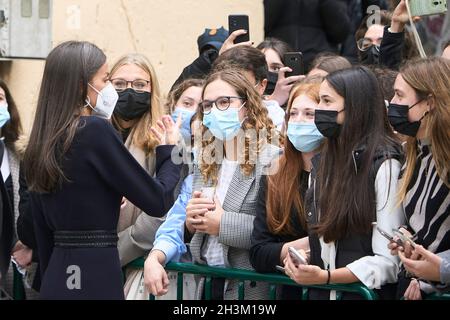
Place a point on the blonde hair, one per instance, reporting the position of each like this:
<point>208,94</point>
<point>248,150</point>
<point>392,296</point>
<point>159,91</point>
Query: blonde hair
<point>430,79</point>
<point>141,135</point>
<point>256,119</point>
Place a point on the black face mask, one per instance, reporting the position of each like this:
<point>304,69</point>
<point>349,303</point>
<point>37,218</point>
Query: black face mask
<point>371,56</point>
<point>272,79</point>
<point>326,123</point>
<point>398,117</point>
<point>132,105</point>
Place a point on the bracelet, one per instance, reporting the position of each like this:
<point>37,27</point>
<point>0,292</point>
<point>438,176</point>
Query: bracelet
<point>329,276</point>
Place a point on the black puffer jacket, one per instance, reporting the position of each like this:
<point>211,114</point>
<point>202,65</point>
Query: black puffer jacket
<point>199,68</point>
<point>308,26</point>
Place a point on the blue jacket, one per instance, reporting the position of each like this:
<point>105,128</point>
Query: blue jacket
<point>170,235</point>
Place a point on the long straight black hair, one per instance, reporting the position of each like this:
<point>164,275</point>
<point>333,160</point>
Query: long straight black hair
<point>68,70</point>
<point>347,193</point>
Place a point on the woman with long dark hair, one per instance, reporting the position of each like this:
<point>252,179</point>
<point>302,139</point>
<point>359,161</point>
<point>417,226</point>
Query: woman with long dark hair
<point>280,220</point>
<point>354,186</point>
<point>78,171</point>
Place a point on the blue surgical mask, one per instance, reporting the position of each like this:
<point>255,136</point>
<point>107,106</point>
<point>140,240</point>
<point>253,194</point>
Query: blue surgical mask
<point>304,136</point>
<point>224,125</point>
<point>186,116</point>
<point>4,114</point>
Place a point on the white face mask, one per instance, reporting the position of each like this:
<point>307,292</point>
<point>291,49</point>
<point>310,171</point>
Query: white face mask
<point>106,101</point>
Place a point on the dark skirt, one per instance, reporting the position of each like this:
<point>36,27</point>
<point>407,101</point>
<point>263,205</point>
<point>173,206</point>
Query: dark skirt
<point>83,274</point>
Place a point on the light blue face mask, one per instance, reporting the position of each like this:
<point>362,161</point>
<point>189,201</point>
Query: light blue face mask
<point>4,114</point>
<point>304,136</point>
<point>224,125</point>
<point>186,115</point>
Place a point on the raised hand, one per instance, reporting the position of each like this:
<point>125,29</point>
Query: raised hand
<point>229,43</point>
<point>167,131</point>
<point>284,86</point>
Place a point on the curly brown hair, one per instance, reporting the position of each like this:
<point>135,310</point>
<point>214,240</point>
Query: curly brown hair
<point>257,121</point>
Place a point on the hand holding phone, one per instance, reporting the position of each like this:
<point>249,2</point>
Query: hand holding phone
<point>196,209</point>
<point>427,7</point>
<point>388,236</point>
<point>403,238</point>
<point>239,22</point>
<point>297,257</point>
<point>294,60</point>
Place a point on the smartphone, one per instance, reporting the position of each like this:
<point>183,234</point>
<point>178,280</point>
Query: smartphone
<point>297,256</point>
<point>427,7</point>
<point>403,238</point>
<point>280,268</point>
<point>238,22</point>
<point>294,60</point>
<point>385,234</point>
<point>208,193</point>
<point>389,237</point>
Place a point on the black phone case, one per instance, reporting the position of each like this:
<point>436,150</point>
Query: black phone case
<point>294,60</point>
<point>237,22</point>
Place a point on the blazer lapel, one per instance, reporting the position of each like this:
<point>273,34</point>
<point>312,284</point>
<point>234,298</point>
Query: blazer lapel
<point>237,191</point>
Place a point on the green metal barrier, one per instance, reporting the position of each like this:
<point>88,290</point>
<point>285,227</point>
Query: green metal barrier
<point>438,296</point>
<point>245,275</point>
<point>18,288</point>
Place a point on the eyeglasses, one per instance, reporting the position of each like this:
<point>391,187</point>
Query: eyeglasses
<point>138,85</point>
<point>364,44</point>
<point>221,103</point>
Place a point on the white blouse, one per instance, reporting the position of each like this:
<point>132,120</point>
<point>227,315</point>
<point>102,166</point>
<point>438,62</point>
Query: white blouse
<point>5,169</point>
<point>381,268</point>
